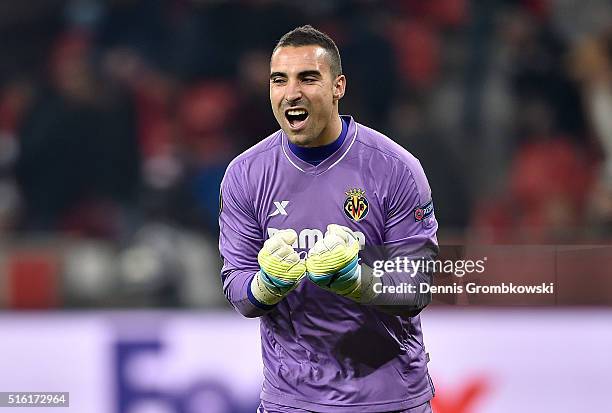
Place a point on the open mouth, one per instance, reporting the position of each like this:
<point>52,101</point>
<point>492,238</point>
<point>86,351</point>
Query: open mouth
<point>296,118</point>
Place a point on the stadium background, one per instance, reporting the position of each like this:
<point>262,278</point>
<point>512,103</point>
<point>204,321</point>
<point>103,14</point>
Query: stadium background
<point>118,118</point>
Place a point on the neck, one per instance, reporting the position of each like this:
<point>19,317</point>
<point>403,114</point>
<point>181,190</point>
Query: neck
<point>316,155</point>
<point>331,131</point>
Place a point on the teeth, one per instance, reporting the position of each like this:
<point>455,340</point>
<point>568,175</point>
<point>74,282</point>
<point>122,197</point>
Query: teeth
<point>296,112</point>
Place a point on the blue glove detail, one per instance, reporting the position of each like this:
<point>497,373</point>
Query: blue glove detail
<point>340,281</point>
<point>274,283</point>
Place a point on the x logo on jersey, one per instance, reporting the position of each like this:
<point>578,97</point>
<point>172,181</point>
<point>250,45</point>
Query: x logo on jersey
<point>280,208</point>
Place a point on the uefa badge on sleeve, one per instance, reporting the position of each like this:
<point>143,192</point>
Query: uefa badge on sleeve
<point>356,205</point>
<point>424,213</point>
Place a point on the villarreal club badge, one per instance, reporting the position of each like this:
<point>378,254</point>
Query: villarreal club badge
<point>356,204</point>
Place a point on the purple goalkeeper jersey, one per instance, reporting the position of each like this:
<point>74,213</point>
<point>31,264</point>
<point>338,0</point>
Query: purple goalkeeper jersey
<point>323,352</point>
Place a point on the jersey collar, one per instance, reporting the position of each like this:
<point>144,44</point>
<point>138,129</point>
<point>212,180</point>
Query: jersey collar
<point>331,160</point>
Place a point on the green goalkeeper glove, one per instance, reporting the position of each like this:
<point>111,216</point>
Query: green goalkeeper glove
<point>281,268</point>
<point>333,262</point>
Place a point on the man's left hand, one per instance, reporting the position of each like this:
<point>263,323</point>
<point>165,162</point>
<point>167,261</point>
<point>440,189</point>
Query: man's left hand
<point>333,262</point>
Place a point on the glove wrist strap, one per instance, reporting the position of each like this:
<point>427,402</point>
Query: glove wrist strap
<point>262,292</point>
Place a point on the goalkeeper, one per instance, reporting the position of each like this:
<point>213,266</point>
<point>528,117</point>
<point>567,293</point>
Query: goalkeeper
<point>301,214</point>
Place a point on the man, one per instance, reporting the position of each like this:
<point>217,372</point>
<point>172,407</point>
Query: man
<point>322,191</point>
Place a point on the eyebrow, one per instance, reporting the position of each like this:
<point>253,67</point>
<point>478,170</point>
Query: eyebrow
<point>303,74</point>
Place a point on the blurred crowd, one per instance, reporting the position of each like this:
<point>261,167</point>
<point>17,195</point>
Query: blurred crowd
<point>119,117</point>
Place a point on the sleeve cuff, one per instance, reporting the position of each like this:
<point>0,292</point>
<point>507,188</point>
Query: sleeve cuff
<point>254,300</point>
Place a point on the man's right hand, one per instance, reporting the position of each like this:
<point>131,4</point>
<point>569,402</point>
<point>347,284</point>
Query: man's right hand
<point>281,268</point>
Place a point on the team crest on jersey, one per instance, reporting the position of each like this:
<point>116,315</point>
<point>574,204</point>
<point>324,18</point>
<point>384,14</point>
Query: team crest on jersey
<point>356,205</point>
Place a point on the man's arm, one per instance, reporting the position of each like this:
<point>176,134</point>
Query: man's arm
<point>412,276</point>
<point>410,232</point>
<point>240,239</point>
<point>256,274</point>
<point>236,284</point>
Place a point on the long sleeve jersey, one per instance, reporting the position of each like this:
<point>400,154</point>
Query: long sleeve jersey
<point>323,352</point>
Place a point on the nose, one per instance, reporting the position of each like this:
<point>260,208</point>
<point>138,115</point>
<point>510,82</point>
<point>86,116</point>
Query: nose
<point>293,92</point>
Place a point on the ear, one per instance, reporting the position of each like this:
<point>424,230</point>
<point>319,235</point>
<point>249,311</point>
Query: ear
<point>339,87</point>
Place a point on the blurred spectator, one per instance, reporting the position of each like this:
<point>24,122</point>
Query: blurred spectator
<point>545,200</point>
<point>14,100</point>
<point>591,63</point>
<point>409,127</point>
<point>254,111</point>
<point>78,159</point>
<point>204,115</point>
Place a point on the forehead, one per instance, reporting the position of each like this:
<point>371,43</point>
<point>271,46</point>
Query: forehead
<point>289,59</point>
